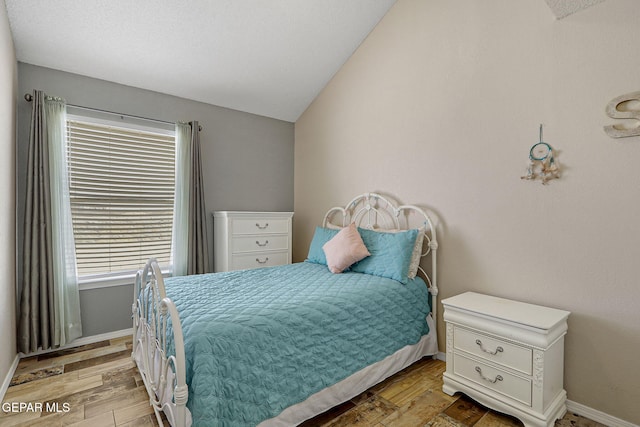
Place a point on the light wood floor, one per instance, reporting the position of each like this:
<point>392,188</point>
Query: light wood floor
<point>98,385</point>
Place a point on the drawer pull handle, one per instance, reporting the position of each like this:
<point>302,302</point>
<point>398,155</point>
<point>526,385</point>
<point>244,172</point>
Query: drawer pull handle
<point>262,262</point>
<point>262,227</point>
<point>492,381</point>
<point>266,242</point>
<point>493,353</point>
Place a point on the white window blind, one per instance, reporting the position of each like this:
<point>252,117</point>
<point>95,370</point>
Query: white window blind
<point>122,193</point>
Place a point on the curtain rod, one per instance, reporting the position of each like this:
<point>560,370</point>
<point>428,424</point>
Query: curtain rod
<point>29,98</point>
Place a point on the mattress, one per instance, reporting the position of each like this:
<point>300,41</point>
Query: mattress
<point>259,341</point>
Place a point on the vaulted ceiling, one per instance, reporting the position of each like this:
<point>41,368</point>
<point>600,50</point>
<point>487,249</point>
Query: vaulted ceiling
<point>265,57</point>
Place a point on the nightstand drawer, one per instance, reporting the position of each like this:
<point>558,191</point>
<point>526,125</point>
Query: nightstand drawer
<point>260,225</point>
<point>260,243</point>
<point>493,349</point>
<point>508,355</point>
<point>259,259</point>
<point>503,382</point>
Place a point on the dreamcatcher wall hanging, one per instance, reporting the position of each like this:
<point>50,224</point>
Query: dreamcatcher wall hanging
<point>542,163</point>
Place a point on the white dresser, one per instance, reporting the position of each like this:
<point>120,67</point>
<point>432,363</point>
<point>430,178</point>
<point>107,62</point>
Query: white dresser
<point>507,355</point>
<point>243,240</point>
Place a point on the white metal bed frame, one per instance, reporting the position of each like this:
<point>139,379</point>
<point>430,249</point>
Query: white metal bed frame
<point>374,211</point>
<point>164,376</point>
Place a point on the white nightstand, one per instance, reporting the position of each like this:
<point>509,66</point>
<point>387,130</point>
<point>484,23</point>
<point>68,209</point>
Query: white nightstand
<point>507,355</point>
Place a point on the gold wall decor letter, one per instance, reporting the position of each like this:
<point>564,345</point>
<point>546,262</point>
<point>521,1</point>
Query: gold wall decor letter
<point>624,107</point>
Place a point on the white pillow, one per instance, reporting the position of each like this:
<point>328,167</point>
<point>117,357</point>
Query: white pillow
<point>416,255</point>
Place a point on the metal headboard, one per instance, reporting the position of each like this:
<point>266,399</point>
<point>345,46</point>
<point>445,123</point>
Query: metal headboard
<point>375,211</point>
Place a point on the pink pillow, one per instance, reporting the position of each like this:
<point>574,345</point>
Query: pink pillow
<point>344,249</point>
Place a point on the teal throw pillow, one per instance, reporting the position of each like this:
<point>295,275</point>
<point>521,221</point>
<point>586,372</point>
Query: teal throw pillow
<point>390,254</point>
<point>320,237</point>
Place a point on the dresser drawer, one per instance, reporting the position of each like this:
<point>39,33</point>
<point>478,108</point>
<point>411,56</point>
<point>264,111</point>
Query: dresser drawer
<point>258,243</point>
<point>260,225</point>
<point>503,382</point>
<point>244,240</point>
<point>258,259</point>
<point>493,349</point>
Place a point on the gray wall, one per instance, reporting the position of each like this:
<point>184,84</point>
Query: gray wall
<point>247,162</point>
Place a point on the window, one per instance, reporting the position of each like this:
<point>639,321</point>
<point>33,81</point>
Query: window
<point>121,183</point>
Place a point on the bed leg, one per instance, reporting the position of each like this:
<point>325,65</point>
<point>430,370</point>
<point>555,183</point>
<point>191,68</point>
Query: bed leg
<point>181,395</point>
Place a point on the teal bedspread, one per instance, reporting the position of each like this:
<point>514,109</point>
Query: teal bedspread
<point>258,341</point>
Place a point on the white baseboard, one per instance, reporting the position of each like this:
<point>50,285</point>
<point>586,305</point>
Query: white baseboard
<point>7,378</point>
<point>598,416</point>
<point>84,341</point>
<point>441,356</point>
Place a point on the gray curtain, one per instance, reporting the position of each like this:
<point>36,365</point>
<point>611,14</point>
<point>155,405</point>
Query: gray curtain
<point>36,326</point>
<point>49,300</point>
<point>198,261</point>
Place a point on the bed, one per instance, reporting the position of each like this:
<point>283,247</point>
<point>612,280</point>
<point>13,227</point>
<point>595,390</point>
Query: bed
<point>276,346</point>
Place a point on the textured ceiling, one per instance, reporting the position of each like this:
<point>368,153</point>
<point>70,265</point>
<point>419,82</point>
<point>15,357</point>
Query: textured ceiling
<point>563,8</point>
<point>265,57</point>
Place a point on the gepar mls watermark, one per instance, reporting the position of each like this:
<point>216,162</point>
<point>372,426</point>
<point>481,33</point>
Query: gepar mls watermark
<point>51,407</point>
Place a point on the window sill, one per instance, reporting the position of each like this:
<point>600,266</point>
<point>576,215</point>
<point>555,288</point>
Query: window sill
<point>112,281</point>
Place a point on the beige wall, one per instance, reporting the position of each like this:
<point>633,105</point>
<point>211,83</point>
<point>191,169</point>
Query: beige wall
<point>440,106</point>
<point>8,85</point>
